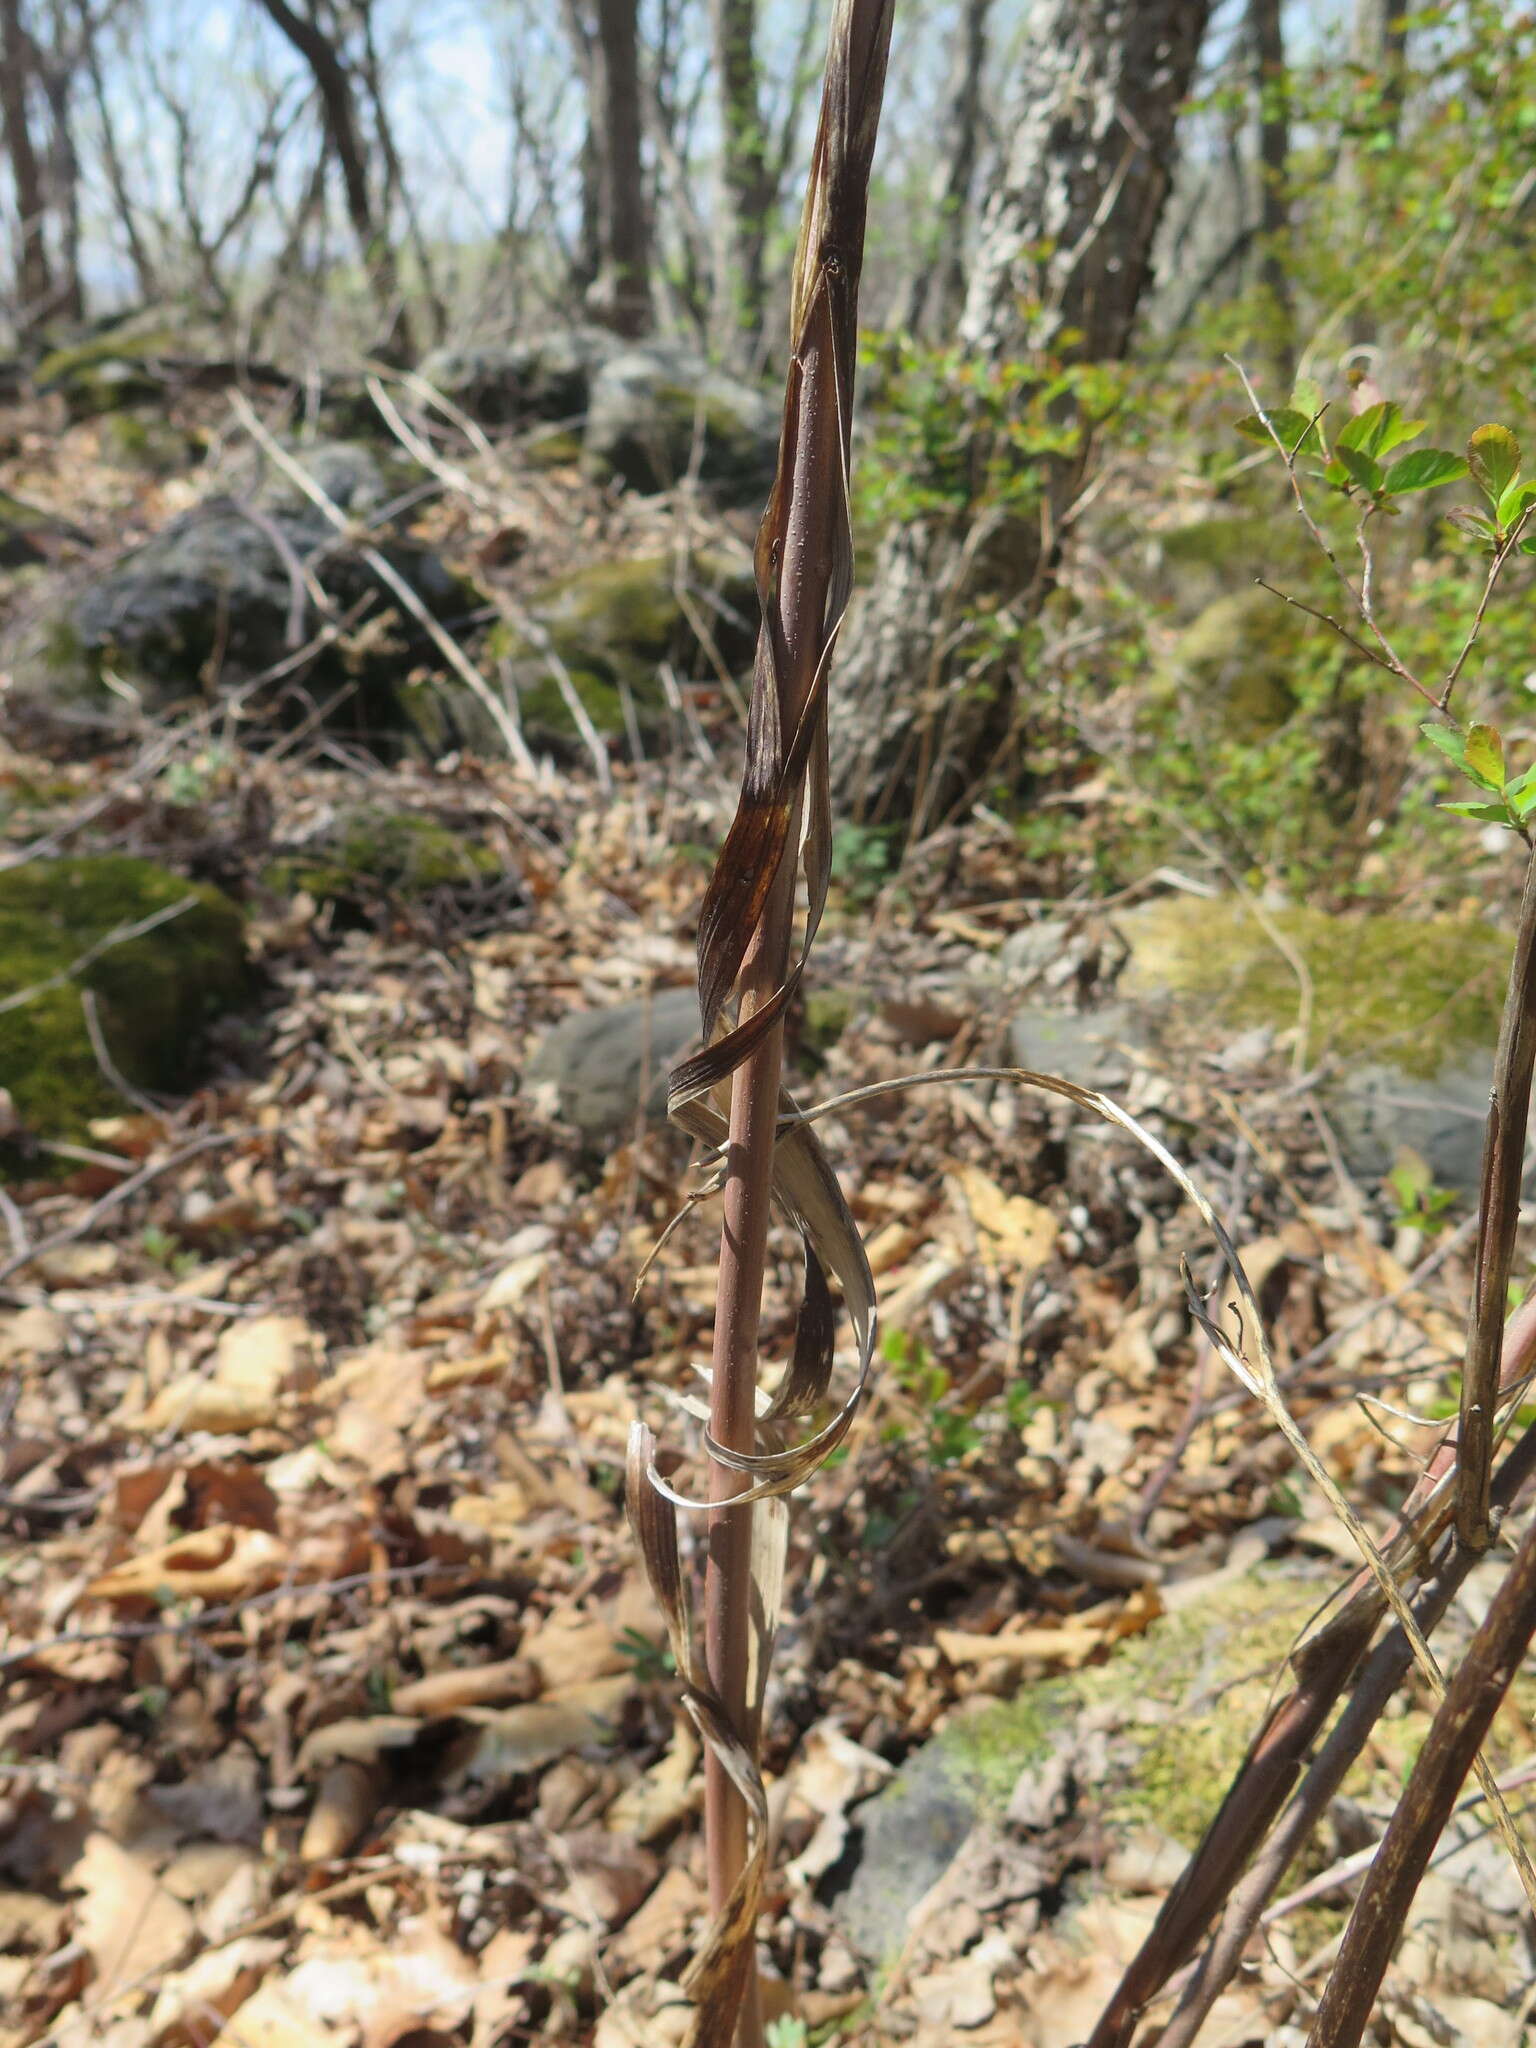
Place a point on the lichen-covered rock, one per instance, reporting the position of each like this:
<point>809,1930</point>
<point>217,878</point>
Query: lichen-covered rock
<point>659,412</point>
<point>208,603</point>
<point>155,993</point>
<point>356,478</point>
<point>607,1067</point>
<point>516,383</point>
<point>365,855</point>
<point>1172,1713</point>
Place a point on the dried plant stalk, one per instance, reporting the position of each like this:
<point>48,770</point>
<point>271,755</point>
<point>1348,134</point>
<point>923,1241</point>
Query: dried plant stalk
<point>804,572</point>
<point>1450,1748</point>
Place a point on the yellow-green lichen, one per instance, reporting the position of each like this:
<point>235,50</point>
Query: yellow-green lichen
<point>1184,1699</point>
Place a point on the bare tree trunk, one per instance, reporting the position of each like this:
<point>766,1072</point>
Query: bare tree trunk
<point>144,268</point>
<point>333,82</point>
<point>1379,33</point>
<point>937,291</point>
<point>1064,255</point>
<point>34,271</point>
<point>743,175</point>
<point>1273,84</point>
<point>620,296</point>
<point>56,72</point>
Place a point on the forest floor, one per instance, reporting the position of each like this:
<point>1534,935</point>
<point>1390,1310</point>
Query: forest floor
<point>333,1698</point>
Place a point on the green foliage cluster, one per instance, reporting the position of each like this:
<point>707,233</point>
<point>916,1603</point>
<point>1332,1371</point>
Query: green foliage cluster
<point>954,437</point>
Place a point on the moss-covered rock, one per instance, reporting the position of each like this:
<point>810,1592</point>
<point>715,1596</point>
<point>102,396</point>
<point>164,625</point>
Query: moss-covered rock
<point>1414,992</point>
<point>143,439</point>
<point>826,1015</point>
<point>30,536</point>
<point>122,363</point>
<point>370,853</point>
<point>1237,664</point>
<point>612,626</point>
<point>155,993</point>
<point>1190,566</point>
<point>1409,1008</point>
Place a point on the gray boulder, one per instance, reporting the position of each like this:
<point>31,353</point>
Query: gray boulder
<point>520,383</point>
<point>609,1066</point>
<point>354,477</point>
<point>906,1837</point>
<point>654,405</point>
<point>209,602</point>
<point>645,405</point>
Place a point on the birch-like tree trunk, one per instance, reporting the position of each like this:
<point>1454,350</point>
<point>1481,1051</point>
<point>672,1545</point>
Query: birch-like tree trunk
<point>1064,255</point>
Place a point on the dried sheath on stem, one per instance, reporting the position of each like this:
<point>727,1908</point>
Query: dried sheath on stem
<point>747,957</point>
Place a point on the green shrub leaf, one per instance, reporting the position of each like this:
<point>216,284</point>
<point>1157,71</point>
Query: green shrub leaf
<point>1378,430</point>
<point>1422,471</point>
<point>1483,759</point>
<point>1362,469</point>
<point>1493,456</point>
<point>1450,739</point>
<point>1485,814</point>
<point>1291,428</point>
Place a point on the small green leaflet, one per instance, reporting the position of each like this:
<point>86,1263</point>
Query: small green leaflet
<point>1485,814</point>
<point>1483,759</point>
<point>1514,502</point>
<point>1493,456</point>
<point>1422,471</point>
<point>1294,430</point>
<point>1362,469</point>
<point>1520,794</point>
<point>1378,430</point>
<point>1450,739</point>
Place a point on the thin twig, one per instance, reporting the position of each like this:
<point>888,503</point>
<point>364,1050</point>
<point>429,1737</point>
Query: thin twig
<point>124,1192</point>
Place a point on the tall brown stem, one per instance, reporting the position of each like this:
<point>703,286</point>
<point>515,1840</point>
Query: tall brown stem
<point>804,588</point>
<point>1509,1114</point>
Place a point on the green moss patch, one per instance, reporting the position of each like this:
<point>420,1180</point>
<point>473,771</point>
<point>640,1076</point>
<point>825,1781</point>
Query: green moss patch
<point>155,993</point>
<point>373,852</point>
<point>1413,993</point>
<point>614,624</point>
<point>1186,1698</point>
